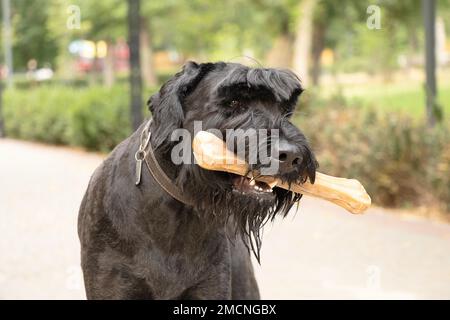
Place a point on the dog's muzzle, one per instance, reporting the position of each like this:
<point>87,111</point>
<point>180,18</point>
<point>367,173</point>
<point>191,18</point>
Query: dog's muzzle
<point>288,157</point>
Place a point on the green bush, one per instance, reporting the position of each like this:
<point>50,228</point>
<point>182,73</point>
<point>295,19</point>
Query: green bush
<point>40,114</point>
<point>95,118</point>
<point>399,161</point>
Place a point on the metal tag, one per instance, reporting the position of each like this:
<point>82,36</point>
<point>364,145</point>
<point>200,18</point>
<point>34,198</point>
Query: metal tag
<point>138,171</point>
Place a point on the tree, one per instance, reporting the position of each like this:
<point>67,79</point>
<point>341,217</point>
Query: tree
<point>57,27</point>
<point>146,52</point>
<point>112,26</point>
<point>279,18</point>
<point>135,69</point>
<point>429,15</point>
<point>32,38</point>
<point>104,20</point>
<point>303,40</point>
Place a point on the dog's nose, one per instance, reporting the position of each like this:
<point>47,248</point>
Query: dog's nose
<point>289,158</point>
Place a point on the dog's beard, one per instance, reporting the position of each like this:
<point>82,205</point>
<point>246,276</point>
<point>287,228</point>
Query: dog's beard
<point>227,200</point>
<point>237,202</point>
<point>234,202</point>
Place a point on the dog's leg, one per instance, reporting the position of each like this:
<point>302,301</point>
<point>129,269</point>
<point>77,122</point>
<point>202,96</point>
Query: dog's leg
<point>217,282</point>
<point>108,273</point>
<point>106,258</point>
<point>115,284</point>
<point>214,288</point>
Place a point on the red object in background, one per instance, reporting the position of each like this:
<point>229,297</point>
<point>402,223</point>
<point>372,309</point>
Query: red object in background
<point>121,53</point>
<point>83,64</point>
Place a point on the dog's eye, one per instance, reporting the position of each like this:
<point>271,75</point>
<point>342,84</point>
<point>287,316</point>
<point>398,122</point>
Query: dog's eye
<point>235,104</point>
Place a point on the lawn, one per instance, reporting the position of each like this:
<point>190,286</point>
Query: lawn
<point>404,97</point>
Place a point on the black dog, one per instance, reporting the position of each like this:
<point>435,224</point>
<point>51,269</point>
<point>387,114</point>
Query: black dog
<point>139,242</point>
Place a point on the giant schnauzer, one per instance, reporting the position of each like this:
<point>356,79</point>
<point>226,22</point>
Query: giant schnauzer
<point>139,240</point>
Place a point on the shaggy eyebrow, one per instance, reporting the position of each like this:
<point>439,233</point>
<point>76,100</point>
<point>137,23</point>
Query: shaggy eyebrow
<point>246,92</point>
<point>280,85</point>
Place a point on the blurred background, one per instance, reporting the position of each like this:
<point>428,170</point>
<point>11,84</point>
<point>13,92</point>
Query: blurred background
<point>376,108</point>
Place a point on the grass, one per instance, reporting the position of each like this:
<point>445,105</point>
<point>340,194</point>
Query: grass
<point>403,97</point>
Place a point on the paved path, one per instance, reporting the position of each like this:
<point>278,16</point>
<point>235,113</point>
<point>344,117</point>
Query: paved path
<point>321,252</point>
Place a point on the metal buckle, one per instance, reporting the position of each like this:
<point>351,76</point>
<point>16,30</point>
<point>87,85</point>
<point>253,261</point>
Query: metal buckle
<point>141,154</point>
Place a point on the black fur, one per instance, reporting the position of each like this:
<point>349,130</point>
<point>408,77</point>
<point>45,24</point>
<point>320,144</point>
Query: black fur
<point>138,242</point>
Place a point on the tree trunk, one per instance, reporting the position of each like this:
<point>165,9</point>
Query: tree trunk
<point>303,39</point>
<point>108,66</point>
<point>135,65</point>
<point>7,42</point>
<point>148,71</point>
<point>280,55</point>
<point>317,48</point>
<point>429,14</point>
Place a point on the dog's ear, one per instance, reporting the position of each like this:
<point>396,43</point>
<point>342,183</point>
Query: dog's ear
<point>152,101</point>
<point>166,105</point>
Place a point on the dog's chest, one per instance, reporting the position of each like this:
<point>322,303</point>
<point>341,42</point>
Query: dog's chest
<point>173,265</point>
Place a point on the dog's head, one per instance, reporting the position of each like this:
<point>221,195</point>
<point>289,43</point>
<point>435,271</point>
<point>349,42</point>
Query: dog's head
<point>246,106</point>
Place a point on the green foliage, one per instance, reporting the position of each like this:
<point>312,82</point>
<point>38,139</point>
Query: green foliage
<point>222,30</point>
<point>40,115</point>
<point>100,119</point>
<point>399,160</point>
<point>95,118</point>
<point>218,30</point>
<point>359,48</point>
<point>369,50</point>
<point>103,20</point>
<point>32,38</point>
<point>408,98</point>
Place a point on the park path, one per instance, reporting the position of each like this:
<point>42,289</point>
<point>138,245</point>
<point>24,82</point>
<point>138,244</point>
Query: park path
<point>320,252</point>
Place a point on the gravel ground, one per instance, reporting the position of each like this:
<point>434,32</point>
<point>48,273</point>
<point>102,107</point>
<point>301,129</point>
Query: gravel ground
<point>319,252</point>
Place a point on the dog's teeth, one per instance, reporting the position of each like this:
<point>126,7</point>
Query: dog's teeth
<point>252,182</point>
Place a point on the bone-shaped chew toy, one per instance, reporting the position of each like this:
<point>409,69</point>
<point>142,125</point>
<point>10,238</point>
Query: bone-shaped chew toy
<point>212,154</point>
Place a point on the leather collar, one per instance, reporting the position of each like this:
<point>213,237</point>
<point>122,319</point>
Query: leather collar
<point>146,154</point>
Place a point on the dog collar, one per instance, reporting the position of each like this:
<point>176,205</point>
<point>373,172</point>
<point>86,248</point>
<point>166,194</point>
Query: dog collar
<point>145,154</point>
